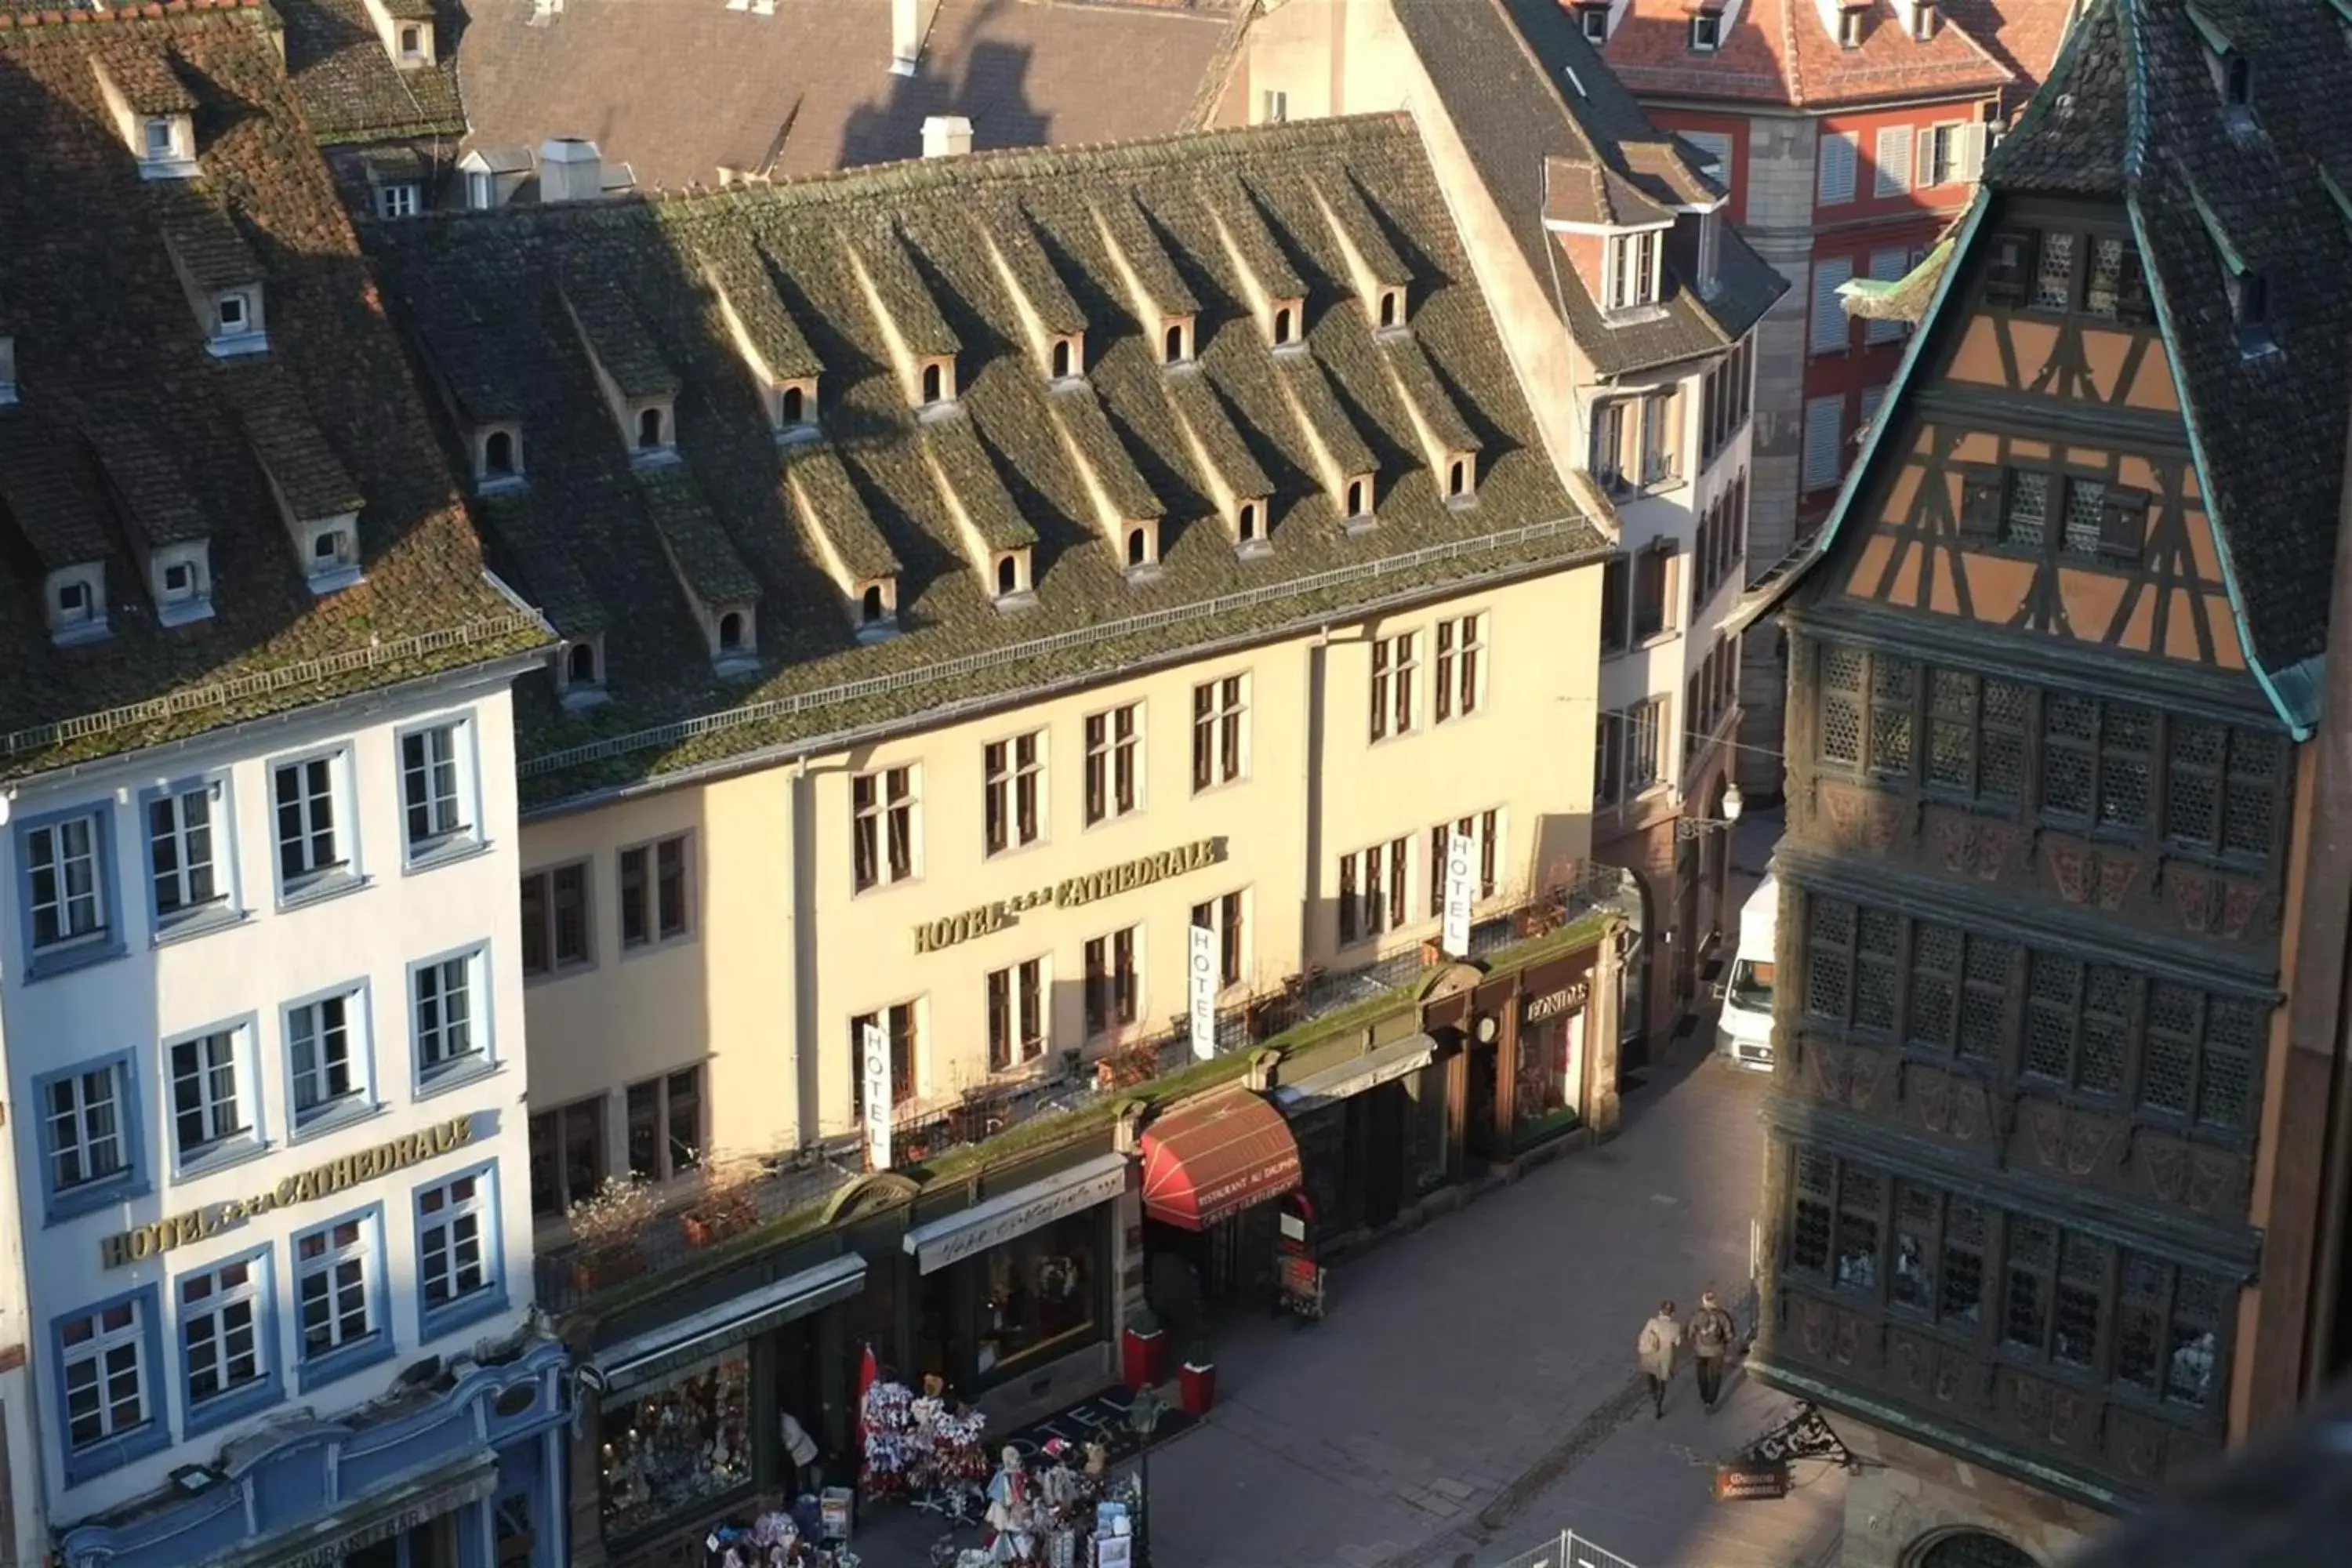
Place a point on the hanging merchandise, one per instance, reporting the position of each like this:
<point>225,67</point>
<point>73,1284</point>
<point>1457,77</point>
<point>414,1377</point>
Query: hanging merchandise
<point>771,1540</point>
<point>885,1420</point>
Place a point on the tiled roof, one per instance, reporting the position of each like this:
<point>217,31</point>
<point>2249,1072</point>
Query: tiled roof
<point>2023,35</point>
<point>349,87</point>
<point>1553,133</point>
<point>1020,460</point>
<point>1782,52</point>
<point>681,89</point>
<point>128,431</point>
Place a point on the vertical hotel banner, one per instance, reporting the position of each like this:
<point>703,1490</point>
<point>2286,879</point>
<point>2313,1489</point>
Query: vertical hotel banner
<point>1201,975</point>
<point>875,1048</point>
<point>1454,934</point>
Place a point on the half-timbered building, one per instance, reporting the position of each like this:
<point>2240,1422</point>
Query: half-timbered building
<point>2050,666</point>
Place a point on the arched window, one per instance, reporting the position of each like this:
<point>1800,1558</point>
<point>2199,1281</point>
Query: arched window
<point>649,429</point>
<point>731,631</point>
<point>1457,477</point>
<point>932,383</point>
<point>1176,345</point>
<point>1135,547</point>
<point>1061,359</point>
<point>869,608</point>
<point>1388,308</point>
<point>1356,498</point>
<point>1969,1549</point>
<point>1248,520</point>
<point>580,664</point>
<point>1282,325</point>
<point>795,405</point>
<point>497,454</point>
<point>1008,576</point>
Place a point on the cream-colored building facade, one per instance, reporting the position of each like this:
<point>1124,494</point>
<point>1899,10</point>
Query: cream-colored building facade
<point>785,950</point>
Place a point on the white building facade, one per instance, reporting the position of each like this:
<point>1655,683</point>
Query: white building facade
<point>263,1013</point>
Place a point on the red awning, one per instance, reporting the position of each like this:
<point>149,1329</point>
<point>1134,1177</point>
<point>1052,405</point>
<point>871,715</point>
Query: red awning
<point>1214,1158</point>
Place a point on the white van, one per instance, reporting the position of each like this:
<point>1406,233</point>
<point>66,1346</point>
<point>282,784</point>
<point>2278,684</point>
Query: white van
<point>1744,1031</point>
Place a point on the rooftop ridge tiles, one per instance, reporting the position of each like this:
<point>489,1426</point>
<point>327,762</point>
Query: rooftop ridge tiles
<point>153,10</point>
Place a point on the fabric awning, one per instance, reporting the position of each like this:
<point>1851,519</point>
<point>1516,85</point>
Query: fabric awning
<point>1357,1075</point>
<point>1216,1157</point>
<point>649,1355</point>
<point>1017,1213</point>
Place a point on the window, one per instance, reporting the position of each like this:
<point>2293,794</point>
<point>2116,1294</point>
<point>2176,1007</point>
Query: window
<point>1114,762</point>
<point>433,768</point>
<point>1633,270</point>
<point>478,190</point>
<point>2200,1059</point>
<point>412,43</point>
<point>2168,1329</point>
<point>1938,1267</point>
<point>1274,108</point>
<point>1594,18</point>
<point>338,1284</point>
<point>1705,29</point>
<point>900,1024</point>
<point>1616,600</point>
<point>208,1110</point>
<point>1831,330</point>
<point>665,1135</point>
<point>310,847</point>
<point>1850,958</point>
<point>448,999</point>
<point>1653,591</point>
<point>1717,146</point>
<point>1172,349</point>
<point>1012,769</point>
<point>87,1131</point>
<point>1887,264</point>
<point>1017,1021</point>
<point>730,632</point>
<point>567,1156</point>
<point>1220,731</point>
<point>225,1330</point>
<point>1890,161</point>
<point>2116,288</point>
<point>397,201</point>
<point>1658,438</point>
<point>2054,272</point>
<point>1824,451</point>
<point>161,141</point>
<point>1461,656</point>
<point>1840,150</point>
<point>1940,154</point>
<point>1849,29</point>
<point>555,919</point>
<point>1111,982</point>
<point>1975,736</point>
<point>2222,789</point>
<point>1723,401</point>
<point>2237,81</point>
<point>2096,759</point>
<point>1396,677</point>
<point>75,603</point>
<point>180,854</point>
<point>1626,752</point>
<point>1485,830</point>
<point>456,1249</point>
<point>649,429</point>
<point>103,1367</point>
<point>1372,890</point>
<point>1228,917</point>
<point>2025,516</point>
<point>1609,443</point>
<point>327,1057</point>
<point>2250,302</point>
<point>656,902</point>
<point>882,827</point>
<point>66,882</point>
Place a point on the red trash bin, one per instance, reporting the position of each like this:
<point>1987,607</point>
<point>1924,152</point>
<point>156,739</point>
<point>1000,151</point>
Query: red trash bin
<point>1143,1357</point>
<point>1196,1388</point>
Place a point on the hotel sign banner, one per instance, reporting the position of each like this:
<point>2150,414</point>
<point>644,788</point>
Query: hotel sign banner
<point>1201,979</point>
<point>875,1066</point>
<point>304,1187</point>
<point>1453,935</point>
<point>1068,894</point>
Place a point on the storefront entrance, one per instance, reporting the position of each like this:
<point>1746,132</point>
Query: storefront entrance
<point>1481,1140</point>
<point>1209,1168</point>
<point>433,1544</point>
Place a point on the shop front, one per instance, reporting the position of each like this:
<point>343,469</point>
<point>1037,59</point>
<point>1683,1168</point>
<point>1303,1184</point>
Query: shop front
<point>1372,1133</point>
<point>1209,1168</point>
<point>1526,1074</point>
<point>685,1427</point>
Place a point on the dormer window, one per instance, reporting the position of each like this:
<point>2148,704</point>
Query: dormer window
<point>1289,322</point>
<point>580,673</point>
<point>734,640</point>
<point>653,432</point>
<point>1594,19</point>
<point>236,324</point>
<point>935,380</point>
<point>650,431</point>
<point>877,608</point>
<point>76,603</point>
<point>1923,19</point>
<point>163,138</point>
<point>412,44</point>
<point>1142,549</point>
<point>331,554</point>
<point>1706,32</point>
<point>1391,308</point>
<point>1011,572</point>
<point>480,194</point>
<point>1461,479</point>
<point>167,146</point>
<point>1850,29</point>
<point>1711,249</point>
<point>180,578</point>
<point>497,458</point>
<point>733,628</point>
<point>7,370</point>
<point>2250,303</point>
<point>1249,523</point>
<point>1176,341</point>
<point>1359,494</point>
<point>1632,277</point>
<point>791,408</point>
<point>1067,359</point>
<point>580,664</point>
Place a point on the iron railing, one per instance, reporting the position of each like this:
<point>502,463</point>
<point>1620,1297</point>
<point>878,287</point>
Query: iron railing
<point>1569,1550</point>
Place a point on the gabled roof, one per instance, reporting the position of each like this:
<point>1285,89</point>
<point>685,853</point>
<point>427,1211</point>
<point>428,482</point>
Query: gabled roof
<point>1782,52</point>
<point>1553,133</point>
<point>349,87</point>
<point>2131,112</point>
<point>681,89</point>
<point>128,434</point>
<point>1018,462</point>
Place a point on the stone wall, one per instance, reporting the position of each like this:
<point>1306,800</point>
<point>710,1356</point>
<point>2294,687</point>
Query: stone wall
<point>1908,1494</point>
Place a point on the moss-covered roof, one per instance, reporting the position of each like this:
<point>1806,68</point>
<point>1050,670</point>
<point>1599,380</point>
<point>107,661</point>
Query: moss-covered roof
<point>1018,461</point>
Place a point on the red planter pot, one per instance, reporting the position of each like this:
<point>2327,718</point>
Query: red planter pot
<point>1143,1358</point>
<point>1196,1388</point>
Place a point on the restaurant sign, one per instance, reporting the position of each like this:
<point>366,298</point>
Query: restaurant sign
<point>1067,894</point>
<point>303,1187</point>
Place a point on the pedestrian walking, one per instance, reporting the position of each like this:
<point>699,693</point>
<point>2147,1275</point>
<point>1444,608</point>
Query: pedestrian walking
<point>1660,1338</point>
<point>1711,1333</point>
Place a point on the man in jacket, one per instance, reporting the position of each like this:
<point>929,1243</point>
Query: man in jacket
<point>1711,1333</point>
<point>1660,1337</point>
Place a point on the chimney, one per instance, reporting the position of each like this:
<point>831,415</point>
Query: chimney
<point>910,20</point>
<point>570,170</point>
<point>947,136</point>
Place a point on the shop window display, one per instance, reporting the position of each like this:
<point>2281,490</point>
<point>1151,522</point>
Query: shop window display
<point>1036,1295</point>
<point>674,1447</point>
<point>1551,1075</point>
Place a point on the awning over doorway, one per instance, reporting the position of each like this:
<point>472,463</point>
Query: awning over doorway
<point>1358,1074</point>
<point>1017,1213</point>
<point>706,1334</point>
<point>1214,1158</point>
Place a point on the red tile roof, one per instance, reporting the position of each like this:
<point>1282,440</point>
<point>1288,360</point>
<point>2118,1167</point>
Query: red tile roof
<point>1782,52</point>
<point>2023,35</point>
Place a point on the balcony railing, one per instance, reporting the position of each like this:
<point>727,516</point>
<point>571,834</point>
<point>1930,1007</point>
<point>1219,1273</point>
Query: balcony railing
<point>788,1182</point>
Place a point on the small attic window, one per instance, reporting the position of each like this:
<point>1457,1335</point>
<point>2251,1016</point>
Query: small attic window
<point>1850,29</point>
<point>734,641</point>
<point>1594,19</point>
<point>793,406</point>
<point>2237,81</point>
<point>1249,521</point>
<point>237,325</point>
<point>1391,307</point>
<point>1706,32</point>
<point>179,578</point>
<point>2250,303</point>
<point>1360,497</point>
<point>7,370</point>
<point>76,603</point>
<point>1176,341</point>
<point>1066,360</point>
<point>869,605</point>
<point>1012,573</point>
<point>580,673</point>
<point>650,432</point>
<point>1289,319</point>
<point>1461,479</point>
<point>1923,19</point>
<point>412,42</point>
<point>497,458</point>
<point>580,665</point>
<point>1142,549</point>
<point>333,557</point>
<point>733,628</point>
<point>161,137</point>
<point>479,191</point>
<point>937,380</point>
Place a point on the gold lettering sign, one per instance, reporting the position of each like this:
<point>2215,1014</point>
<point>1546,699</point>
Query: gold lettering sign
<point>1067,894</point>
<point>1552,1004</point>
<point>302,1187</point>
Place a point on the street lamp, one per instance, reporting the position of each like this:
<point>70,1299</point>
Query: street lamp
<point>1693,827</point>
<point>1143,1413</point>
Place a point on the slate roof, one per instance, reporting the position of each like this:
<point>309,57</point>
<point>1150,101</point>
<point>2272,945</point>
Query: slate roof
<point>127,429</point>
<point>349,87</point>
<point>679,88</point>
<point>2023,35</point>
<point>2132,110</point>
<point>1782,52</point>
<point>1552,132</point>
<point>1019,460</point>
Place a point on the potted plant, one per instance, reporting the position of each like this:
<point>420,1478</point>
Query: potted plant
<point>1196,1380</point>
<point>607,1224</point>
<point>1142,1350</point>
<point>725,1206</point>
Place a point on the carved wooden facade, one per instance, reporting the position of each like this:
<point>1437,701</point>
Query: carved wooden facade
<point>2038,818</point>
